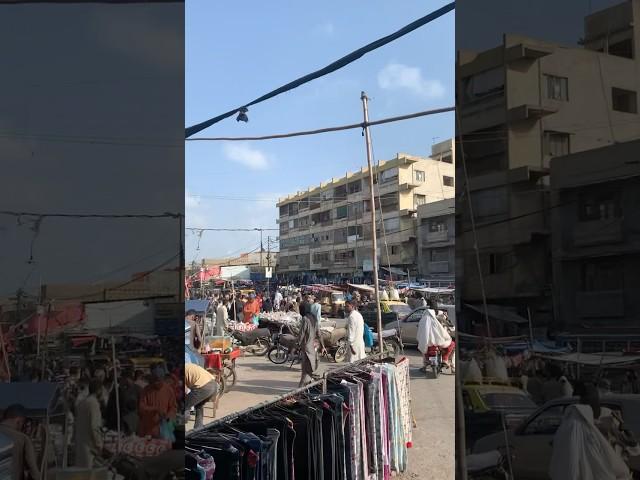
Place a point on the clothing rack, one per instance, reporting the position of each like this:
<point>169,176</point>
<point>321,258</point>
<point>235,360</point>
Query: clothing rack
<point>260,406</point>
<point>318,383</point>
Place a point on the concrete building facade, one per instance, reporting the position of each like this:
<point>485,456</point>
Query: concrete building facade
<point>596,239</point>
<point>326,230</point>
<point>522,104</point>
<point>436,241</point>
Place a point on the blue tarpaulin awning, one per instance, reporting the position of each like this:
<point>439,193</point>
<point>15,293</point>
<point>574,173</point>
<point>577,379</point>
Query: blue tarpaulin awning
<point>200,306</point>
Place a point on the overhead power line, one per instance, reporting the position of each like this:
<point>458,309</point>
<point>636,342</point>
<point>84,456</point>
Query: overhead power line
<point>338,64</point>
<point>231,229</point>
<point>88,215</point>
<point>326,130</point>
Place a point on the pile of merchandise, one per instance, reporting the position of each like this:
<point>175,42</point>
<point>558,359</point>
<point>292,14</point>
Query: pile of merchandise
<point>353,425</point>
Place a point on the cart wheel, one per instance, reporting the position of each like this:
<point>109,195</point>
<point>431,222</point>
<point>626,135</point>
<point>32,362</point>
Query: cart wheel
<point>222,381</point>
<point>341,353</point>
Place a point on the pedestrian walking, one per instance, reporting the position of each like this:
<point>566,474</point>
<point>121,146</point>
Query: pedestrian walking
<point>355,332</point>
<point>309,333</point>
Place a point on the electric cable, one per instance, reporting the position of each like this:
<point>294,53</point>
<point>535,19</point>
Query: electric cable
<point>338,64</point>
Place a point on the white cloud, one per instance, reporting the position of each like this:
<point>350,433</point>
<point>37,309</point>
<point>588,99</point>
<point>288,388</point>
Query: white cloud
<point>326,29</point>
<point>246,155</point>
<point>396,76</point>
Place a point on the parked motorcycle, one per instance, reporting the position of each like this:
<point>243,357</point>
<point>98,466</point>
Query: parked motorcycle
<point>284,346</point>
<point>392,342</point>
<point>255,341</point>
<point>335,342</point>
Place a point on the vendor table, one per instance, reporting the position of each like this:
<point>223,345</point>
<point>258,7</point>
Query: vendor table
<point>223,367</point>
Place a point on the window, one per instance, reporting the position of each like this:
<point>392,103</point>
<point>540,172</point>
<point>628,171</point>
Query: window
<point>395,249</point>
<point>392,225</point>
<point>419,175</point>
<point>293,208</point>
<point>490,202</point>
<point>599,206</point>
<point>495,263</point>
<point>284,210</point>
<point>344,255</point>
<point>303,222</point>
<point>483,84</point>
<point>321,257</point>
<point>439,255</point>
<point>304,204</point>
<point>341,212</point>
<point>557,87</point>
<point>321,217</point>
<point>438,225</point>
<point>355,210</point>
<point>388,175</point>
<point>624,100</point>
<point>602,275</point>
<point>415,316</point>
<point>447,158</point>
<point>547,422</point>
<point>447,181</point>
<point>556,144</point>
<point>419,200</point>
<point>354,230</point>
<point>355,187</point>
<point>340,193</point>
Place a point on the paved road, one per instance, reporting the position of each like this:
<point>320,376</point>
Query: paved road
<point>432,455</point>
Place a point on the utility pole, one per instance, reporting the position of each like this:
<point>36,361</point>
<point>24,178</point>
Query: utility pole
<point>261,247</point>
<point>268,261</point>
<point>374,241</point>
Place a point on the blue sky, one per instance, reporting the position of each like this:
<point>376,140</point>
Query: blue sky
<point>237,51</point>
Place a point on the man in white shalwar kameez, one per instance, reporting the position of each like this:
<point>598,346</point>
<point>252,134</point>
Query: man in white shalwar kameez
<point>355,333</point>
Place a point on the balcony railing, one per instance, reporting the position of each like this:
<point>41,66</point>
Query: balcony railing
<point>597,232</point>
<point>441,236</point>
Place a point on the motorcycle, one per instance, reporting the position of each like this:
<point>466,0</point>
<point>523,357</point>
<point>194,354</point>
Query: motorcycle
<point>335,343</point>
<point>433,358</point>
<point>493,465</point>
<point>284,346</point>
<point>391,340</point>
<point>255,341</point>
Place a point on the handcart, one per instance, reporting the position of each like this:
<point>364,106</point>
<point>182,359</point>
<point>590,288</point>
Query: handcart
<point>223,367</point>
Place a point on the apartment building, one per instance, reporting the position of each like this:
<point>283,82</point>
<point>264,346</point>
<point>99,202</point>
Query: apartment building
<point>596,240</point>
<point>436,241</point>
<point>326,230</point>
<point>522,104</point>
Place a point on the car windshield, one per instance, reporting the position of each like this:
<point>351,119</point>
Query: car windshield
<point>402,310</point>
<point>507,400</point>
<point>337,297</point>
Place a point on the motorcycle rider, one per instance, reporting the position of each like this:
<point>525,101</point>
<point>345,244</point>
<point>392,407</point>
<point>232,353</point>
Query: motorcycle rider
<point>431,333</point>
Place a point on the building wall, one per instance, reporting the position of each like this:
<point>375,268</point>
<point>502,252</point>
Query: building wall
<point>516,131</point>
<point>436,240</point>
<point>596,257</point>
<point>340,242</point>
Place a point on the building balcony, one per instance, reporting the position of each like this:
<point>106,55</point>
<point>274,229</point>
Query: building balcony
<point>604,304</point>
<point>601,232</point>
<point>432,237</point>
<point>438,267</point>
<point>529,112</point>
<point>408,186</point>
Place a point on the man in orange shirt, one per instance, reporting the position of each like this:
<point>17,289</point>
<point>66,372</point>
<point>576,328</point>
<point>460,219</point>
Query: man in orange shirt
<point>251,309</point>
<point>157,403</point>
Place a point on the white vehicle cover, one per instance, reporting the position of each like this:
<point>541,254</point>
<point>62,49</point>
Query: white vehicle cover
<point>581,452</point>
<point>431,332</point>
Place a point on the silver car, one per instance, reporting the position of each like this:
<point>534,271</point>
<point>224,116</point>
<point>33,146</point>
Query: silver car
<point>532,440</point>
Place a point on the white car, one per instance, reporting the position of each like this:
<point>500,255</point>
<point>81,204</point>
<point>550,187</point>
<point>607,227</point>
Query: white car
<point>532,440</point>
